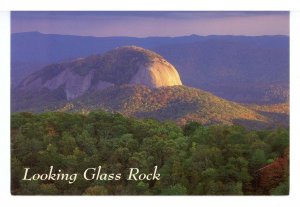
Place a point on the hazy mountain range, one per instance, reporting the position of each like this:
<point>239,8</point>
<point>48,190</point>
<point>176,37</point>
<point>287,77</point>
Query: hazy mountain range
<point>239,68</point>
<point>136,82</point>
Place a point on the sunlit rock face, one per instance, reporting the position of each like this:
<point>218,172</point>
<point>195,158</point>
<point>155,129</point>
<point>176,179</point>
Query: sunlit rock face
<point>157,72</point>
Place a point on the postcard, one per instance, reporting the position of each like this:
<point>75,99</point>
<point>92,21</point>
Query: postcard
<point>149,103</point>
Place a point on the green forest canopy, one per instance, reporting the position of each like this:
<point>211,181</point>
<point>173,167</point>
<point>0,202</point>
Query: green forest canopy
<point>192,159</point>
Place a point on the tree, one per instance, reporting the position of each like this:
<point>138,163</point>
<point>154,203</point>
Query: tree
<point>279,140</point>
<point>86,142</point>
<point>190,128</point>
<point>192,159</point>
<point>258,159</point>
<point>281,189</point>
<point>48,189</point>
<point>177,189</point>
<point>96,190</point>
<point>67,144</point>
<point>233,188</point>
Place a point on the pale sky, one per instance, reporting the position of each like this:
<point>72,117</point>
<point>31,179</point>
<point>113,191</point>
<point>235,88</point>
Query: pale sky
<point>144,24</point>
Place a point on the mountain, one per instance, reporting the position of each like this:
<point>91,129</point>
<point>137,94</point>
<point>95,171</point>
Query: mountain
<point>125,65</point>
<point>132,81</point>
<point>30,51</point>
<point>245,69</point>
<point>179,103</point>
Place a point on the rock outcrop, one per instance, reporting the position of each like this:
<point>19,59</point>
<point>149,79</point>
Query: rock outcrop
<point>157,74</point>
<point>124,65</point>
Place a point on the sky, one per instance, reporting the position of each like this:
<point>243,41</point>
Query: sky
<point>158,23</point>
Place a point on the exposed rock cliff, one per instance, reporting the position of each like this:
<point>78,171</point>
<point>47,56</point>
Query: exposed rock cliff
<point>124,65</point>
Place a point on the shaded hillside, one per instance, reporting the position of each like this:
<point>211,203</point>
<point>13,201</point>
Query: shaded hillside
<point>279,113</point>
<point>179,103</point>
<point>282,108</point>
<point>244,70</point>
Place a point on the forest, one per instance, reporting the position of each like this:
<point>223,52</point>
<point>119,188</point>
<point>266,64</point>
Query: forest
<point>192,159</point>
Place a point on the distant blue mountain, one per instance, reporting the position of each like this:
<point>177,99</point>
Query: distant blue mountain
<point>32,46</point>
<point>243,69</point>
<point>240,68</point>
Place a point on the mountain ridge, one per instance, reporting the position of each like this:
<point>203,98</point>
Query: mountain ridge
<point>244,60</point>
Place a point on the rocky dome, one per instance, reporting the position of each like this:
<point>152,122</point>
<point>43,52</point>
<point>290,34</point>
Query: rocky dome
<point>123,65</point>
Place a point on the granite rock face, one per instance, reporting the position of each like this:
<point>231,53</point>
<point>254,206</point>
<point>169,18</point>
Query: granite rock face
<point>124,65</point>
<point>157,74</point>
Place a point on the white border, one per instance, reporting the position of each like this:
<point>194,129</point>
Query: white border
<point>150,5</point>
<point>294,103</point>
<point>7,200</point>
<point>5,103</point>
